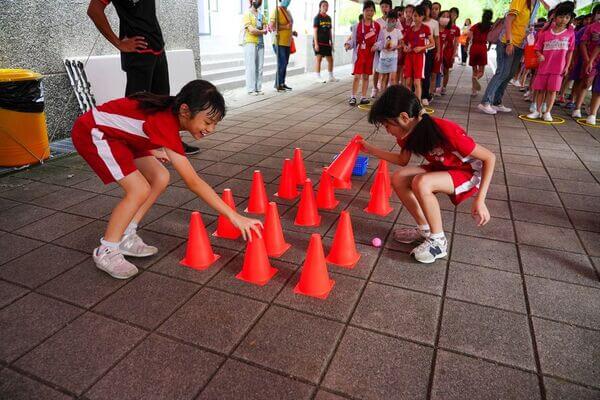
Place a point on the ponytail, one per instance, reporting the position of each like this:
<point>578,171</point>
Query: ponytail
<point>397,99</point>
<point>199,95</point>
<point>486,20</point>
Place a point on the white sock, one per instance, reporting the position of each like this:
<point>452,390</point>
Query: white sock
<point>131,228</point>
<point>424,228</point>
<point>438,236</point>
<point>106,245</point>
<point>352,96</point>
<point>331,74</point>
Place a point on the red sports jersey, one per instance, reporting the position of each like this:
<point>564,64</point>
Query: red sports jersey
<point>479,37</point>
<point>447,37</point>
<point>417,38</point>
<point>366,35</point>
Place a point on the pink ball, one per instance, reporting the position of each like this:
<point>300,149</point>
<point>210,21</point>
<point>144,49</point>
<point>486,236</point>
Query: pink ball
<point>376,242</point>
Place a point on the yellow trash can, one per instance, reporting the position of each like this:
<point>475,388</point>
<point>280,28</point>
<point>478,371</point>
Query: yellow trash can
<point>23,132</point>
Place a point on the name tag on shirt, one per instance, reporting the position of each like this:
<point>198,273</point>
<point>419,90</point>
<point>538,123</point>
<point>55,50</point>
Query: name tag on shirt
<point>369,35</point>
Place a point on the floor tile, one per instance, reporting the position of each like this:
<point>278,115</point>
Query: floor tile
<point>29,192</point>
<point>15,386</point>
<point>161,368</point>
<point>486,287</point>
<point>63,198</point>
<point>368,365</point>
<point>558,389</point>
<point>398,312</point>
<point>291,342</point>
<point>488,253</point>
<point>176,223</point>
<point>568,352</point>
<point>486,332</point>
<point>175,196</point>
<point>81,352</point>
<point>497,228</point>
<point>534,196</point>
<point>14,246</point>
<point>10,293</point>
<point>21,215</point>
<point>591,242</point>
<point>548,236</point>
<point>27,322</point>
<point>53,226</point>
<point>147,300</point>
<point>95,207</point>
<point>565,302</point>
<point>213,319</point>
<point>584,220</point>
<point>460,377</point>
<point>546,215</point>
<point>237,380</point>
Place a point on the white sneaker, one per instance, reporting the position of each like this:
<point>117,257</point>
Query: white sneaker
<point>533,108</point>
<point>534,115</point>
<point>425,102</point>
<point>591,119</point>
<point>474,92</point>
<point>527,94</point>
<point>333,79</point>
<point>501,108</point>
<point>409,235</point>
<point>260,93</point>
<point>114,263</point>
<point>133,245</point>
<point>547,117</point>
<point>373,93</point>
<point>544,108</point>
<point>318,79</point>
<point>486,108</point>
<point>576,113</point>
<point>515,82</point>
<point>430,250</point>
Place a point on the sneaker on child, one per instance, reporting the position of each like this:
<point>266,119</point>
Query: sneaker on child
<point>576,113</point>
<point>352,101</point>
<point>547,117</point>
<point>534,115</point>
<point>591,119</point>
<point>430,250</point>
<point>133,245</point>
<point>410,235</point>
<point>113,263</point>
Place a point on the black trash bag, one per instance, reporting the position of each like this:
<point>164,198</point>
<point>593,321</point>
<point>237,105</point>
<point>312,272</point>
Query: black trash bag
<point>22,96</point>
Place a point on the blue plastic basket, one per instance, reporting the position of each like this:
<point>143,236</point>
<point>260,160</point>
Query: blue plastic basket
<point>360,166</point>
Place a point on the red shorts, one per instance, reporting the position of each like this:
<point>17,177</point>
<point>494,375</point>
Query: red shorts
<point>478,56</point>
<point>110,159</point>
<point>448,59</point>
<point>401,56</point>
<point>437,66</point>
<point>414,65</point>
<point>466,182</point>
<point>364,62</point>
<point>550,82</point>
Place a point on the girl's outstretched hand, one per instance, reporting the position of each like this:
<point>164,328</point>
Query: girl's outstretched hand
<point>480,212</point>
<point>247,225</point>
<point>365,147</point>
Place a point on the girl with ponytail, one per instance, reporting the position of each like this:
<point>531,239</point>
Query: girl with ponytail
<point>126,141</point>
<point>456,165</point>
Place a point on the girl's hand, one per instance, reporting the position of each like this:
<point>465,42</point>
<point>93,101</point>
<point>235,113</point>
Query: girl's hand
<point>588,68</point>
<point>541,58</point>
<point>161,155</point>
<point>480,213</point>
<point>247,225</point>
<point>365,147</point>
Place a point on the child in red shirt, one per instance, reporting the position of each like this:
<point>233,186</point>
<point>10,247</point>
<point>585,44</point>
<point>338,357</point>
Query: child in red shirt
<point>450,46</point>
<point>456,166</point>
<point>416,42</point>
<point>478,52</point>
<point>123,141</point>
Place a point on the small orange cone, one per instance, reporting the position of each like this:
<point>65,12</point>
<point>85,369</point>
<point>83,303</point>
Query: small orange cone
<point>383,167</point>
<point>343,249</point>
<point>326,195</point>
<point>314,279</point>
<point>256,269</point>
<point>380,201</point>
<point>307,215</point>
<point>273,234</point>
<point>299,169</point>
<point>225,229</point>
<point>287,182</point>
<point>257,204</point>
<point>342,185</point>
<point>198,253</point>
<point>341,168</point>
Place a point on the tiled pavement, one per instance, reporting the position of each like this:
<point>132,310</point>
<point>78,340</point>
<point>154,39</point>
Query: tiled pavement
<point>513,313</point>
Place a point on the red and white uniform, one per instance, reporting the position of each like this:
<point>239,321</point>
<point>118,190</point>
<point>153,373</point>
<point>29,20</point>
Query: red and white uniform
<point>404,27</point>
<point>111,136</point>
<point>478,51</point>
<point>447,42</point>
<point>414,63</point>
<point>454,157</point>
<point>366,36</point>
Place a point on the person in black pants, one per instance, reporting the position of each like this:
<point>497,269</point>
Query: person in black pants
<point>141,44</point>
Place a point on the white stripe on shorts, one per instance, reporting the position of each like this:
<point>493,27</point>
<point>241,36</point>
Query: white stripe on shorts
<point>106,154</point>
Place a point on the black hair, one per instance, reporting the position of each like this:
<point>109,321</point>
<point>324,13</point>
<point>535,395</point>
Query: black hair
<point>486,20</point>
<point>409,6</point>
<point>360,17</point>
<point>541,19</point>
<point>449,24</point>
<point>565,8</point>
<point>438,3</point>
<point>399,9</point>
<point>456,10</point>
<point>426,4</point>
<point>388,2</point>
<point>397,99</point>
<point>321,3</point>
<point>420,10</point>
<point>199,95</point>
<point>368,4</point>
<point>393,14</point>
<point>596,9</point>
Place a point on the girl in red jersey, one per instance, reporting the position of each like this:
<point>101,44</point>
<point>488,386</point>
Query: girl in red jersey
<point>478,52</point>
<point>456,166</point>
<point>450,47</point>
<point>124,139</point>
<point>417,41</point>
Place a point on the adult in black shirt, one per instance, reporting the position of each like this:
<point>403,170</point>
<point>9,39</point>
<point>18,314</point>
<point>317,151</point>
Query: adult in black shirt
<point>141,44</point>
<point>322,42</point>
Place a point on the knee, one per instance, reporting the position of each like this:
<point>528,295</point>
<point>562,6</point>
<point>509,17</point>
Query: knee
<point>161,180</point>
<point>420,185</point>
<point>140,194</point>
<point>400,180</point>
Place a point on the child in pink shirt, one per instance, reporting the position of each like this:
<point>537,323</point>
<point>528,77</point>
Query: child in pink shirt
<point>554,48</point>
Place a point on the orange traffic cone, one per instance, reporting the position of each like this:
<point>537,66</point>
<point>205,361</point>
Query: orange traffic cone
<point>314,279</point>
<point>380,201</point>
<point>383,167</point>
<point>307,215</point>
<point>256,268</point>
<point>198,253</point>
<point>342,185</point>
<point>225,229</point>
<point>287,182</point>
<point>299,169</point>
<point>326,195</point>
<point>257,204</point>
<point>274,240</point>
<point>341,168</point>
<point>343,249</point>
